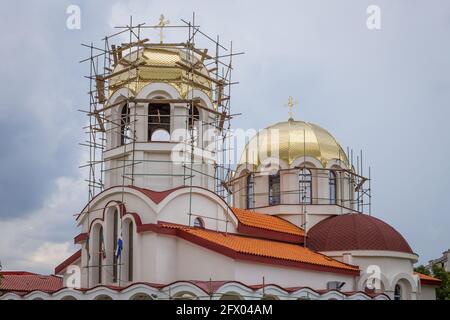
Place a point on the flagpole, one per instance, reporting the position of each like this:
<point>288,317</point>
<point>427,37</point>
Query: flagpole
<point>120,268</point>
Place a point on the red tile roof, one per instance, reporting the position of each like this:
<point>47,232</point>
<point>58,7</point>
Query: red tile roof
<point>355,231</point>
<point>428,280</point>
<point>23,282</point>
<point>267,222</point>
<point>239,246</point>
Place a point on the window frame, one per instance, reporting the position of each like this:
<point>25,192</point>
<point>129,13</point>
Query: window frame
<point>101,244</point>
<point>332,187</point>
<point>274,196</point>
<point>307,184</point>
<point>162,112</point>
<point>199,223</point>
<point>125,127</point>
<point>250,190</point>
<point>130,250</point>
<point>115,237</point>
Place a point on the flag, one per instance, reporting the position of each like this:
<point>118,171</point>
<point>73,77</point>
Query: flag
<point>119,246</point>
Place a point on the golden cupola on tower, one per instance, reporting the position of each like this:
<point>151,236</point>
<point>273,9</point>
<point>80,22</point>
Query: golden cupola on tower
<point>179,66</point>
<point>289,140</point>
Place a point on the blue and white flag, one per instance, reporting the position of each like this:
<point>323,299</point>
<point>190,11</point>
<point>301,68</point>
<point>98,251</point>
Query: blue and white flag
<point>119,246</point>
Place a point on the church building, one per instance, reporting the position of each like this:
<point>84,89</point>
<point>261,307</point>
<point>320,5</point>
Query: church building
<point>167,218</point>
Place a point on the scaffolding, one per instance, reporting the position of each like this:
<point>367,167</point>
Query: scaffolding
<point>117,63</point>
<point>348,189</point>
<point>103,61</point>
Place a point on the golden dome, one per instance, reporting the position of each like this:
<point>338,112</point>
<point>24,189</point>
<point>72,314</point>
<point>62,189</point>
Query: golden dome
<point>290,140</point>
<point>161,64</point>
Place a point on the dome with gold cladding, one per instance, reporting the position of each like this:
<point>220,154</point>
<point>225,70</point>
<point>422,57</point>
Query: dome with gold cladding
<point>290,140</point>
<point>179,67</point>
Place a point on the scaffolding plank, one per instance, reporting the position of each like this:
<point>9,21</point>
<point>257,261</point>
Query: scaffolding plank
<point>100,83</point>
<point>134,66</point>
<point>198,73</point>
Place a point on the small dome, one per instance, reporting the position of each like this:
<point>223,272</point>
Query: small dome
<point>355,231</point>
<point>161,64</point>
<point>293,139</point>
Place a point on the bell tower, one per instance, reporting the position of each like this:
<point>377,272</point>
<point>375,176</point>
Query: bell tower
<point>158,113</point>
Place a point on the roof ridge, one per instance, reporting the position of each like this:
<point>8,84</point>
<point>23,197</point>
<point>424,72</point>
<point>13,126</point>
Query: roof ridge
<point>296,230</point>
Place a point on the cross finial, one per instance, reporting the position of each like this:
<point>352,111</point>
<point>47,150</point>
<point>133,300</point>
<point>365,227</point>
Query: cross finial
<point>162,23</point>
<point>291,103</point>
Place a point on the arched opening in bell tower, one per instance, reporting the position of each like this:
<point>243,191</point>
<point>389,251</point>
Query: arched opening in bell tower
<point>159,122</point>
<point>125,129</point>
<point>193,126</point>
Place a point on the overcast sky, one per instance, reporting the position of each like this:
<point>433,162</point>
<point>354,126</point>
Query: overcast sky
<point>384,91</point>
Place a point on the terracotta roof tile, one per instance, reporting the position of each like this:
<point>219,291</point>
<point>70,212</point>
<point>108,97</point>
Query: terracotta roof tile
<point>264,248</point>
<point>24,282</point>
<point>355,231</point>
<point>426,279</point>
<point>265,221</point>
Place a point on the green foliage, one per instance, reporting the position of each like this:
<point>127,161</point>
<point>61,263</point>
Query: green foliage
<point>422,269</point>
<point>443,292</point>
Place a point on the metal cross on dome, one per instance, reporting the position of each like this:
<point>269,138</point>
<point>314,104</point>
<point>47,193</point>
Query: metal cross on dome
<point>162,23</point>
<point>291,103</point>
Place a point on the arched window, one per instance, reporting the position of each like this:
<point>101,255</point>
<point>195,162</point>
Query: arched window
<point>101,254</point>
<point>130,251</point>
<point>115,237</point>
<point>274,189</point>
<point>141,296</point>
<point>185,295</point>
<point>103,297</point>
<point>193,126</point>
<point>250,191</point>
<point>398,292</point>
<point>158,119</point>
<point>305,186</point>
<point>269,297</point>
<point>194,116</point>
<point>125,129</point>
<point>231,296</point>
<point>332,186</point>
<point>198,223</point>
